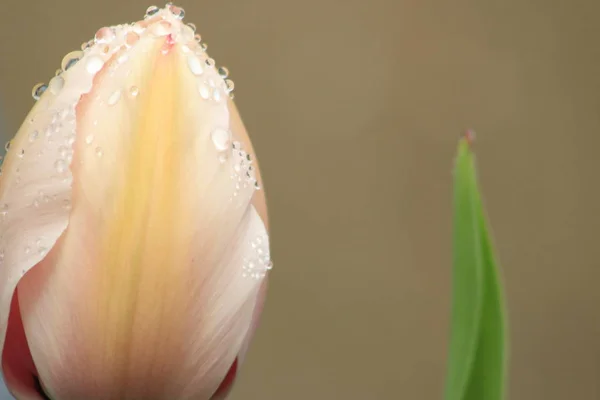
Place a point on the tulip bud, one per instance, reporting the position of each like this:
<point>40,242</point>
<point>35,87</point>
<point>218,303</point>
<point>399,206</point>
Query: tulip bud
<point>133,248</point>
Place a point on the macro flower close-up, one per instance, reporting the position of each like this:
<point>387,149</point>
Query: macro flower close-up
<point>429,169</point>
<point>134,250</point>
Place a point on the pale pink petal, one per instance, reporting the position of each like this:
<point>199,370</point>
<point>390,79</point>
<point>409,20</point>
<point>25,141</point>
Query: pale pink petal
<point>150,293</point>
<point>35,189</point>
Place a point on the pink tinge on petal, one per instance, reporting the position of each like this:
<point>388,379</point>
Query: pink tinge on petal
<point>19,370</point>
<point>227,383</point>
<point>261,297</point>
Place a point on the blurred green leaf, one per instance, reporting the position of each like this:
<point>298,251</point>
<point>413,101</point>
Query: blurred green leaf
<point>477,353</point>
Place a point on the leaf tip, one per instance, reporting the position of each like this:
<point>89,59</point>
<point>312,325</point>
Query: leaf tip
<point>469,137</point>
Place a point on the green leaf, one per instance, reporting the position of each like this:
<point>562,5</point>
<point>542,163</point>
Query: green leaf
<point>477,353</point>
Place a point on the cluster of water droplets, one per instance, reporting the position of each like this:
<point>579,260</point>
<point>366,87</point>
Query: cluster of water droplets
<point>54,136</point>
<point>243,172</point>
<point>259,263</point>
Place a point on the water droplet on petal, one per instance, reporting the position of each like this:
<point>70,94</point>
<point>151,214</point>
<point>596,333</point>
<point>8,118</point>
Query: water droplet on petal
<point>38,90</point>
<point>176,11</point>
<point>150,11</point>
<point>60,166</point>
<point>131,38</point>
<point>229,85</point>
<point>197,37</point>
<point>89,139</point>
<point>161,28</point>
<point>204,46</point>
<point>56,84</point>
<point>194,64</point>
<point>70,59</point>
<point>217,95</point>
<point>224,72</point>
<point>210,62</point>
<point>221,139</point>
<point>114,98</point>
<point>99,152</point>
<point>138,27</point>
<point>192,27</point>
<point>33,135</point>
<point>94,64</point>
<point>204,91</point>
<point>134,91</point>
<point>104,35</point>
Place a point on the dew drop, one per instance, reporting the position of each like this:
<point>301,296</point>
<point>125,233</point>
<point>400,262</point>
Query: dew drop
<point>150,11</point>
<point>63,151</point>
<point>221,138</point>
<point>70,59</point>
<point>123,58</point>
<point>27,251</point>
<point>104,35</point>
<point>134,91</point>
<point>210,62</point>
<point>21,153</point>
<point>204,46</point>
<point>131,38</point>
<point>194,64</point>
<point>217,95</point>
<point>99,152</point>
<point>66,204</point>
<point>176,11</point>
<point>161,28</point>
<point>60,166</point>
<point>138,27</point>
<point>33,135</point>
<point>197,37</point>
<point>94,64</point>
<point>224,72</point>
<point>7,146</point>
<point>56,84</point>
<point>4,211</point>
<point>192,27</point>
<point>204,91</point>
<point>114,98</point>
<point>38,90</point>
<point>229,85</point>
<point>42,251</point>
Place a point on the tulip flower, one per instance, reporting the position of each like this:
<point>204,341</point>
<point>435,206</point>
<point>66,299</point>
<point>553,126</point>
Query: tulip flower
<point>133,244</point>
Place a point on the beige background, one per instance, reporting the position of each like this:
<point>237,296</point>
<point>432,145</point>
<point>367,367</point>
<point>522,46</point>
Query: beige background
<point>355,108</point>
